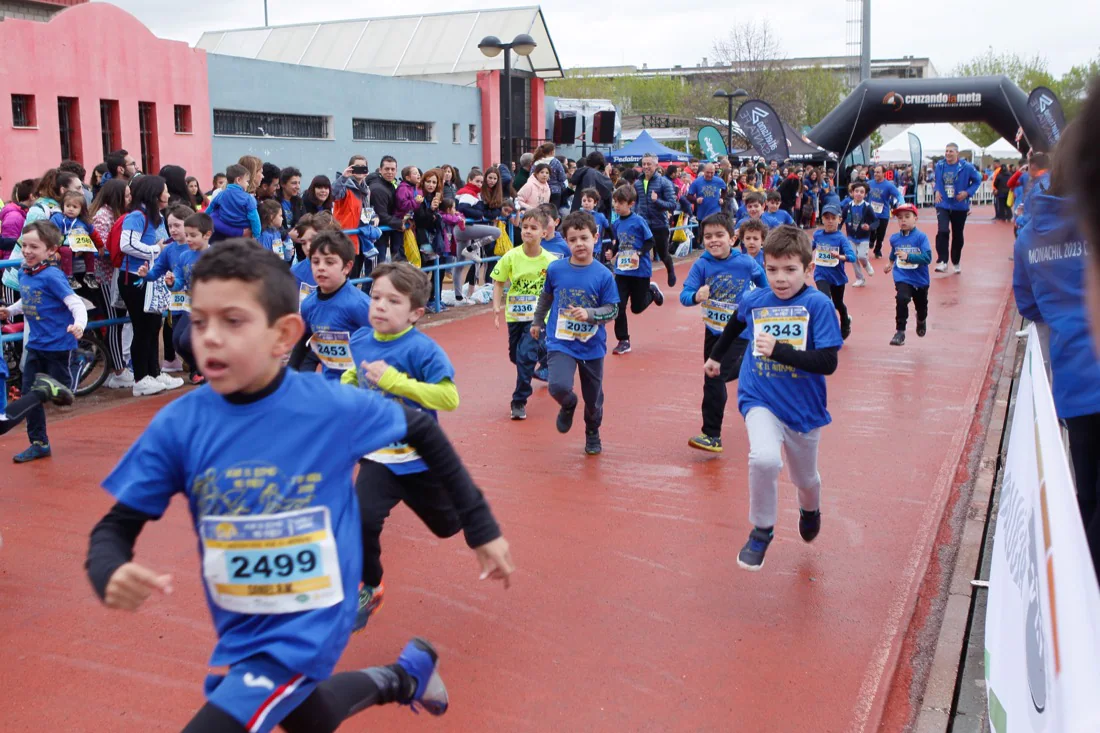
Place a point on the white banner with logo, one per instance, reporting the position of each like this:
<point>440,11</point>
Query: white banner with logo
<point>1042,646</point>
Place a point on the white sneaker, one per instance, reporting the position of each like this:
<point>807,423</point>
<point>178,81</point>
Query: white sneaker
<point>859,283</point>
<point>172,366</point>
<point>958,269</point>
<point>148,386</point>
<point>941,267</point>
<point>169,382</point>
<point>125,380</point>
<point>870,270</point>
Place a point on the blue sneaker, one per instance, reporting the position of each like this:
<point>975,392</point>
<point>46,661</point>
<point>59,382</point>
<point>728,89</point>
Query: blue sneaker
<point>33,453</point>
<point>751,556</point>
<point>543,375</point>
<point>420,660</point>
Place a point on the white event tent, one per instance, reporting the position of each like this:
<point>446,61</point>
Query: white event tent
<point>933,136</point>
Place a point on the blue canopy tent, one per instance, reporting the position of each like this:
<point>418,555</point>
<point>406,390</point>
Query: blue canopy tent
<point>632,152</point>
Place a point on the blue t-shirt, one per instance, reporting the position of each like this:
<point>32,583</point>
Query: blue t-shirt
<point>229,466</point>
<point>179,259</point>
<point>827,245</point>
<point>135,221</point>
<point>796,397</point>
<point>347,309</point>
<point>272,239</point>
<point>776,218</point>
<point>237,208</point>
<point>728,280</point>
<point>883,197</point>
<point>42,296</point>
<point>709,195</point>
<point>304,272</point>
<point>557,245</point>
<point>915,244</point>
<point>631,233</point>
<point>418,357</point>
<point>571,285</point>
<point>69,226</point>
<point>602,225</point>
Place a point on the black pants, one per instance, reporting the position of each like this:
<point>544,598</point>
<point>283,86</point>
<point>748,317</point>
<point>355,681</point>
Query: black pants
<point>1084,450</point>
<point>956,220</point>
<point>58,364</point>
<point>836,292</point>
<point>333,701</point>
<point>145,349</point>
<point>181,339</point>
<point>15,411</point>
<point>380,490</point>
<point>395,243</point>
<point>1000,206</point>
<point>562,368</point>
<point>166,337</point>
<point>878,235</point>
<point>636,290</point>
<point>525,352</point>
<point>660,246</point>
<point>714,388</point>
<point>905,293</point>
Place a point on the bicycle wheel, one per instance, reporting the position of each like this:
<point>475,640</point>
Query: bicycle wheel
<point>94,364</point>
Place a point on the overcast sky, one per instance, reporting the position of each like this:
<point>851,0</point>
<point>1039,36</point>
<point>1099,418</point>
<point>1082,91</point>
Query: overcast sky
<point>669,32</point>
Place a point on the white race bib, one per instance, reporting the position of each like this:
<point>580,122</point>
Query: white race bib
<point>876,206</point>
<point>522,307</point>
<point>826,257</point>
<point>789,324</point>
<point>304,291</point>
<point>625,260</point>
<point>180,300</point>
<point>277,247</point>
<point>80,242</point>
<point>717,313</point>
<point>571,330</point>
<point>333,349</point>
<point>949,189</point>
<point>271,563</point>
<point>902,264</point>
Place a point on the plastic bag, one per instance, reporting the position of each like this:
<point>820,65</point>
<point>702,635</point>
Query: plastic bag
<point>680,235</point>
<point>412,249</point>
<point>504,242</point>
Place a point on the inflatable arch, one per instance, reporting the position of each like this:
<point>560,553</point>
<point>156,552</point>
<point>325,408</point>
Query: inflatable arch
<point>995,100</point>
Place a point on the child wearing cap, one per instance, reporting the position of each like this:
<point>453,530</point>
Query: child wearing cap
<point>910,255</point>
<point>831,250</point>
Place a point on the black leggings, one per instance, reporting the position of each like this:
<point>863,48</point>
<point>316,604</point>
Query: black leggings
<point>145,349</point>
<point>18,409</point>
<point>878,235</point>
<point>636,290</point>
<point>836,292</point>
<point>660,246</point>
<point>336,699</point>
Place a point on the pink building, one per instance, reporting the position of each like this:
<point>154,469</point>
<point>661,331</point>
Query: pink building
<point>82,96</point>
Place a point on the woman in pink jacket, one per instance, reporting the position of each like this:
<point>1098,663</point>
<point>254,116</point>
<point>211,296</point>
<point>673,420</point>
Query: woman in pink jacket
<point>537,189</point>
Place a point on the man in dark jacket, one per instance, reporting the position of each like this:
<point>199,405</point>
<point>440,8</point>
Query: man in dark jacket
<point>656,200</point>
<point>383,197</point>
<point>592,175</point>
<point>1001,189</point>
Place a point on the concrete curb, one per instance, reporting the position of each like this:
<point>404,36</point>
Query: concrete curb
<point>936,707</point>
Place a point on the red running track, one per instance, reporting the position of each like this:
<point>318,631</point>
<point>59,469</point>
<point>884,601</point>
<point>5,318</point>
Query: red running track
<point>628,612</point>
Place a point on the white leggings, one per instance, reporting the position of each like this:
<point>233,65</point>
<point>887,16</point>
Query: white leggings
<point>769,439</point>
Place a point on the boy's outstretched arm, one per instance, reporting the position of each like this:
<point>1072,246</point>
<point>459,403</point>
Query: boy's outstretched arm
<point>117,580</point>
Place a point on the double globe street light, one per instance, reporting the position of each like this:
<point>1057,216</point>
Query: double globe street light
<point>491,46</point>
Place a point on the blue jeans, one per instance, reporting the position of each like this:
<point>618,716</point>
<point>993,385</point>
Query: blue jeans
<point>58,364</point>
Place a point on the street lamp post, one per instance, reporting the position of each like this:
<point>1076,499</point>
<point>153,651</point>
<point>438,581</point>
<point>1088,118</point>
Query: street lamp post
<point>491,46</point>
<point>729,97</point>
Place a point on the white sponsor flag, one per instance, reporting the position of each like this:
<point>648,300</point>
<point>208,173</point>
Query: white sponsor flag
<point>1042,645</point>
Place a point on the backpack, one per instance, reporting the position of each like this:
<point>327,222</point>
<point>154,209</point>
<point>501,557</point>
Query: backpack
<point>114,244</point>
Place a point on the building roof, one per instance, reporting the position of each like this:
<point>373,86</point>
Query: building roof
<point>410,45</point>
<point>879,67</point>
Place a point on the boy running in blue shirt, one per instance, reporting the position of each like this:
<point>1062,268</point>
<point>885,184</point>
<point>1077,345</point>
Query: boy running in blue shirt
<point>752,233</point>
<point>775,216</point>
<point>633,265</point>
<point>831,250</point>
<point>781,392</point>
<point>552,240</point>
<point>279,532</point>
<point>55,316</point>
<point>395,359</point>
<point>580,297</point>
<point>590,199</point>
<point>859,221</point>
<point>910,255</point>
<point>525,268</point>
<point>234,209</point>
<point>335,310</point>
<point>717,281</point>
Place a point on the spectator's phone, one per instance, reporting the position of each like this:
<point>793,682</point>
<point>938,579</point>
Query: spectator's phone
<point>360,169</point>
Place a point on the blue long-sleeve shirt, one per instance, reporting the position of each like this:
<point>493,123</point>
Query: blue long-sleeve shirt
<point>884,197</point>
<point>1048,280</point>
<point>952,180</point>
<point>914,270</point>
<point>828,267</point>
<point>235,208</point>
<point>728,280</point>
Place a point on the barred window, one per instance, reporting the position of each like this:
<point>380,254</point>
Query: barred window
<point>391,131</point>
<point>22,110</point>
<point>182,113</point>
<point>270,124</point>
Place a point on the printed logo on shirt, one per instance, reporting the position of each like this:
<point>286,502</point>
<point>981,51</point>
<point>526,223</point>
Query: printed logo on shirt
<point>251,680</point>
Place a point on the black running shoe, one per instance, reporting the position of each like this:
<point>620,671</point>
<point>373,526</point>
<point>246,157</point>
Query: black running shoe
<point>52,390</point>
<point>751,556</point>
<point>846,329</point>
<point>899,339</point>
<point>922,328</point>
<point>809,524</point>
<point>519,411</point>
<point>592,444</point>
<point>658,296</point>
<point>565,419</point>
